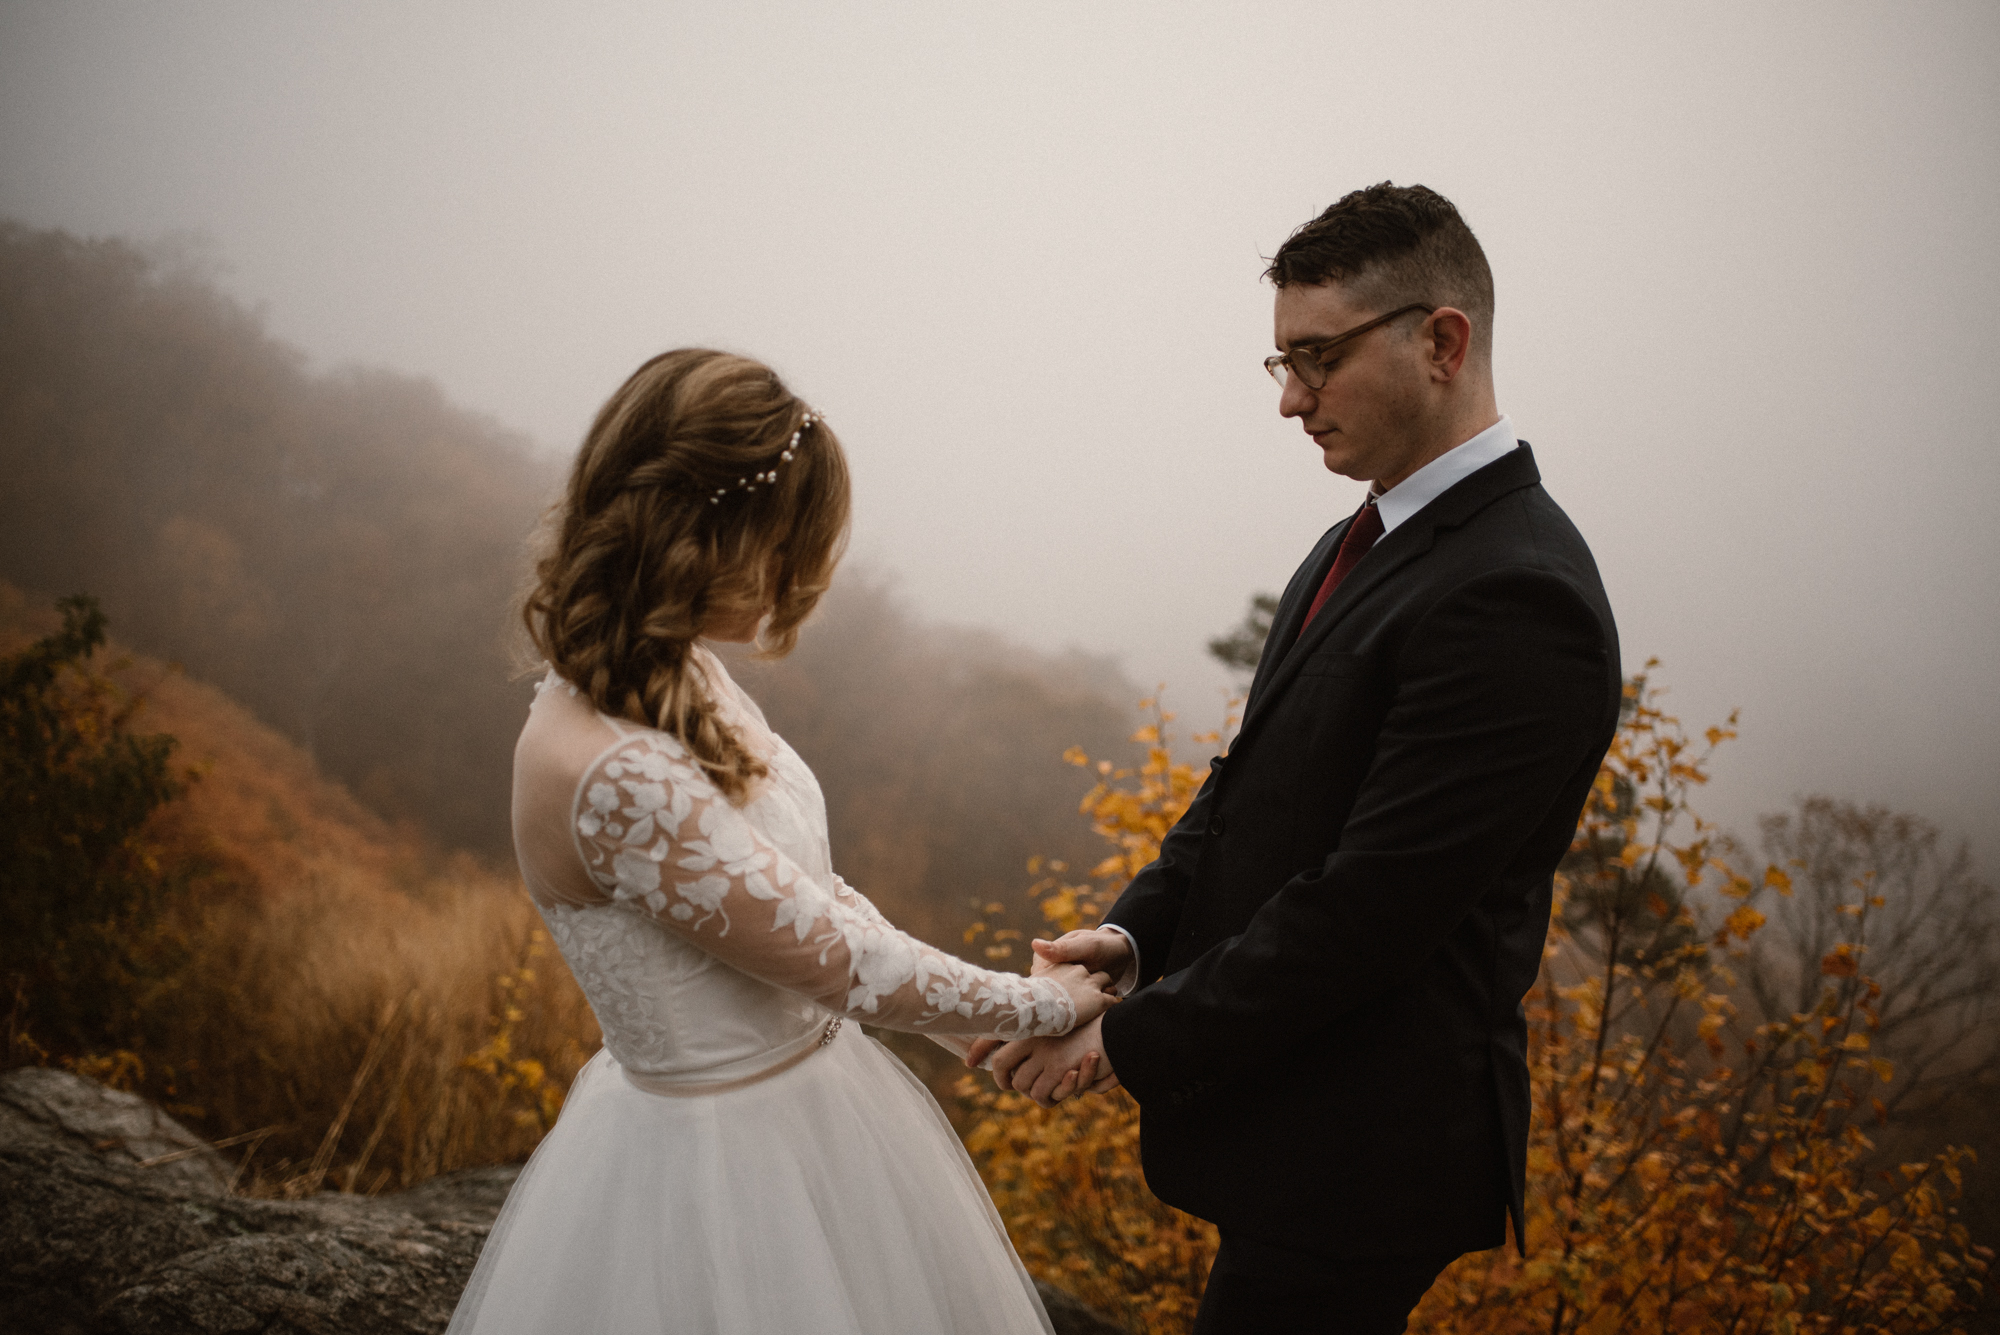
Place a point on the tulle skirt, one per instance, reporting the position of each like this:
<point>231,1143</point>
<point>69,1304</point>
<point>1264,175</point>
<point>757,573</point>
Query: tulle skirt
<point>830,1199</point>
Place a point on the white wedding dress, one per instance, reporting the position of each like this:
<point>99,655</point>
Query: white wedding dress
<point>737,1160</point>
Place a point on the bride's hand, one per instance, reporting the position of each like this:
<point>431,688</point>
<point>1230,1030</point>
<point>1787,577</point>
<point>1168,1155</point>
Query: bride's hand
<point>1090,993</point>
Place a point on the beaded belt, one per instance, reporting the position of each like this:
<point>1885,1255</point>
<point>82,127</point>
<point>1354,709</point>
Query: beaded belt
<point>672,1088</point>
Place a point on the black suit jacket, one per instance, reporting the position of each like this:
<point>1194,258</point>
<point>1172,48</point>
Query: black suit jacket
<point>1328,1042</point>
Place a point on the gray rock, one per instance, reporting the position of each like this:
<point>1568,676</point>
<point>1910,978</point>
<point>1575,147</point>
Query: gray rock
<point>473,1196</point>
<point>394,1277</point>
<point>41,1105</point>
<point>93,1242</point>
<point>92,1246</point>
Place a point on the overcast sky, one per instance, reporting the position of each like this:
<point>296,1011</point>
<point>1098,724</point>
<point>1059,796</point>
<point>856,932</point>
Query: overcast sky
<point>1745,262</point>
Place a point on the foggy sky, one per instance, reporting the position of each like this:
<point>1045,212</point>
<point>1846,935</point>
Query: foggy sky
<point>1744,260</point>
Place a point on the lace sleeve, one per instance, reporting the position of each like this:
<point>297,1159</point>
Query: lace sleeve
<point>653,830</point>
<point>860,903</point>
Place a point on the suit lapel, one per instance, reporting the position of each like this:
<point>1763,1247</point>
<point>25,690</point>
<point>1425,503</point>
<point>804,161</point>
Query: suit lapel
<point>1292,610</point>
<point>1410,540</point>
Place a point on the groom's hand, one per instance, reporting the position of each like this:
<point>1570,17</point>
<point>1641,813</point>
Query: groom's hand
<point>1100,949</point>
<point>1049,1070</point>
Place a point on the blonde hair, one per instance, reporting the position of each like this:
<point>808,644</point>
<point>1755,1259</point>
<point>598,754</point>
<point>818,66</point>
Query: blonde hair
<point>658,540</point>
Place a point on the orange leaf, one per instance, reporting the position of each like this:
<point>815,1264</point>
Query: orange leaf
<point>1744,922</point>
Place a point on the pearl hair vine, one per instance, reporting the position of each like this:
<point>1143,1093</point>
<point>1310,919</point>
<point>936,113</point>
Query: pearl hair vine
<point>755,480</point>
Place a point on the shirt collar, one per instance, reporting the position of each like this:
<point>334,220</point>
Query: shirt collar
<point>1438,476</point>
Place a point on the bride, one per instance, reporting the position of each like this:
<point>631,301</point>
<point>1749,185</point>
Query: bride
<point>738,1158</point>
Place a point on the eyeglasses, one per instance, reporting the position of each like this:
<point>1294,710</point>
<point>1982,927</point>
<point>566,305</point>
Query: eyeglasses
<point>1305,361</point>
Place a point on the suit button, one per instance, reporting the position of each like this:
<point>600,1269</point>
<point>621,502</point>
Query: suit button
<point>1215,823</point>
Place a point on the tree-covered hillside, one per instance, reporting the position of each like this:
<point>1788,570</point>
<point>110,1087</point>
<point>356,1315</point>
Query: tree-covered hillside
<point>340,551</point>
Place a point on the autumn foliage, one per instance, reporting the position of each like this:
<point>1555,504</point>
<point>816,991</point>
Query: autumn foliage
<point>347,1009</point>
<point>1693,1165</point>
<point>224,930</point>
<point>78,786</point>
<point>1067,1180</point>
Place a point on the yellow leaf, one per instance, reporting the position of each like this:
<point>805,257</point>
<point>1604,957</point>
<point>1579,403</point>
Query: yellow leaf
<point>1743,922</point>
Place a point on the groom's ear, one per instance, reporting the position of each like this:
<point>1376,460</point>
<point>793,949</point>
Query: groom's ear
<point>1447,340</point>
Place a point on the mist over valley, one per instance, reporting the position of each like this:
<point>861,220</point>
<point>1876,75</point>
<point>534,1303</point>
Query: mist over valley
<point>342,553</point>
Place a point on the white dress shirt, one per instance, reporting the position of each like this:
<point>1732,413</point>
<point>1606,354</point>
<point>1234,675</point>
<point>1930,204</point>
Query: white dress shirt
<point>1395,505</point>
<point>1438,476</point>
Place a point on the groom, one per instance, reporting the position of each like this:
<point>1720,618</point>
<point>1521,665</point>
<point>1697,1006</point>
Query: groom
<point>1326,1035</point>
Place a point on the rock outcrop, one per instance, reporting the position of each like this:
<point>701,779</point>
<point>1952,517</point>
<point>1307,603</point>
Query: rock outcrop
<point>39,1106</point>
<point>115,1220</point>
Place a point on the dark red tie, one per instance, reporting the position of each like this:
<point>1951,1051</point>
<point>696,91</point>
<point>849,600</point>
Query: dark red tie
<point>1361,535</point>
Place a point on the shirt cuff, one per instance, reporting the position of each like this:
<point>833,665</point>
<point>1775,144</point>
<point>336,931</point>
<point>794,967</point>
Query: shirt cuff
<point>1130,978</point>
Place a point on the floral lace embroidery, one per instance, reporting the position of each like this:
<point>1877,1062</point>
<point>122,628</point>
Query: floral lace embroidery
<point>613,964</point>
<point>653,830</point>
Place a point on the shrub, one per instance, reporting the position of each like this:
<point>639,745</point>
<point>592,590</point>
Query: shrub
<point>1687,1170</point>
<point>82,886</point>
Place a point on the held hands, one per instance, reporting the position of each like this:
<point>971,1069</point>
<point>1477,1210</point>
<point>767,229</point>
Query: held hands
<point>1049,1070</point>
<point>1089,993</point>
<point>1100,948</point>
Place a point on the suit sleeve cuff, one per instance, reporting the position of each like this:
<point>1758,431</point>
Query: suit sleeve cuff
<point>1130,978</point>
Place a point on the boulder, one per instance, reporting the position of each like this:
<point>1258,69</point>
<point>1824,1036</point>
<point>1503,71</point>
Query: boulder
<point>115,1220</point>
<point>389,1275</point>
<point>40,1106</point>
<point>94,1246</point>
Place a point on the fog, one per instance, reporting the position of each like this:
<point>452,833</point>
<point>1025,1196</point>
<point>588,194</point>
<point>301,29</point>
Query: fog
<point>1743,260</point>
<point>343,554</point>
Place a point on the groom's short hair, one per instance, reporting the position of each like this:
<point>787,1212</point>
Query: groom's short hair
<point>1392,245</point>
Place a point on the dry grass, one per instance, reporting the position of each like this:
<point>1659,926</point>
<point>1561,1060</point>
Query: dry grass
<point>353,1009</point>
<point>382,1039</point>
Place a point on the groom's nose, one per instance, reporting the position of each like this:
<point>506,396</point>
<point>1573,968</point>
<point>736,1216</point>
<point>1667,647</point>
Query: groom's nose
<point>1296,400</point>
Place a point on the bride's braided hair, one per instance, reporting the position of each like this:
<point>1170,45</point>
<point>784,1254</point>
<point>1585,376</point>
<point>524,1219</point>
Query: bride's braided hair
<point>704,496</point>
